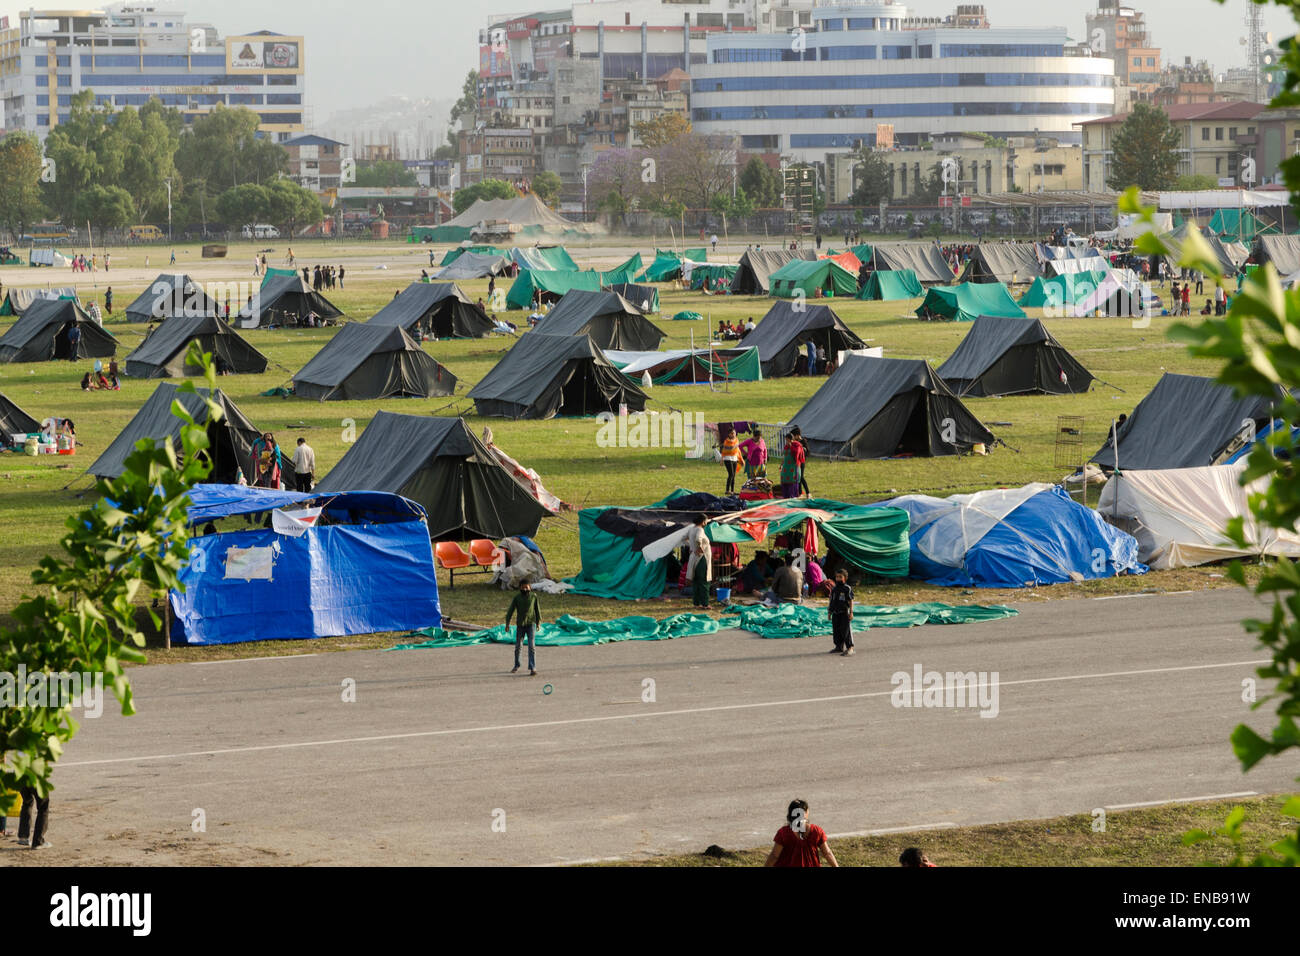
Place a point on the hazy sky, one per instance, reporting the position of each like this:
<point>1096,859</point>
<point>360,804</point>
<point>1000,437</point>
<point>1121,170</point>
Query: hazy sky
<point>359,53</point>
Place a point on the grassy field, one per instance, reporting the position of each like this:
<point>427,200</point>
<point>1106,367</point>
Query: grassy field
<point>37,495</point>
<point>1145,837</point>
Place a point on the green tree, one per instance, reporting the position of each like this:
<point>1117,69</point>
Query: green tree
<point>873,182</point>
<point>1144,150</point>
<point>761,182</point>
<point>128,547</point>
<point>467,105</point>
<point>548,187</point>
<point>292,206</point>
<point>662,129</point>
<point>1195,183</point>
<point>243,205</point>
<point>222,149</point>
<point>84,154</point>
<point>106,207</point>
<point>385,174</point>
<point>148,151</point>
<point>928,190</point>
<point>20,191</point>
<point>487,189</point>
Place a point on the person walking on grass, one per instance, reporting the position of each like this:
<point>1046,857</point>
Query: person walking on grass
<point>699,569</point>
<point>730,456</point>
<point>799,843</point>
<point>304,466</point>
<point>840,611</point>
<point>527,612</point>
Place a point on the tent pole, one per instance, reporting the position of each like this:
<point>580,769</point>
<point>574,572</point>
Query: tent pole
<point>167,620</point>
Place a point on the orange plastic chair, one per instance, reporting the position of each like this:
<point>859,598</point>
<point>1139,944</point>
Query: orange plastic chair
<point>450,555</point>
<point>486,554</point>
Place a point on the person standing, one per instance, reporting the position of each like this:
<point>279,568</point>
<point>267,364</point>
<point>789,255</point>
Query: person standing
<point>792,466</point>
<point>713,240</point>
<point>840,609</point>
<point>755,452</point>
<point>730,456</point>
<point>267,463</point>
<point>341,274</point>
<point>1187,298</point>
<point>106,261</point>
<point>699,569</point>
<point>803,463</point>
<point>527,612</point>
<point>173,262</point>
<point>257,265</point>
<point>33,819</point>
<point>304,466</point>
<point>74,340</point>
<point>108,300</point>
<point>799,843</point>
<point>810,351</point>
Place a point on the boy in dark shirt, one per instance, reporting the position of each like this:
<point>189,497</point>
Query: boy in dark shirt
<point>841,614</point>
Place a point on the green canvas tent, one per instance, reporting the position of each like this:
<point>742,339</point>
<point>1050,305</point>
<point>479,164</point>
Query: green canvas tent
<point>272,272</point>
<point>808,277</point>
<point>968,301</point>
<point>665,267</point>
<point>709,274</point>
<point>552,258</point>
<point>1061,290</point>
<point>455,253</point>
<point>891,286</point>
<point>553,283</point>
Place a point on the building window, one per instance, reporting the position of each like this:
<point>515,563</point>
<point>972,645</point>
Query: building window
<point>1232,132</point>
<point>862,23</point>
<point>1151,61</point>
<point>1218,132</point>
<point>1137,61</point>
<point>895,52</point>
<point>1205,134</point>
<point>1218,165</point>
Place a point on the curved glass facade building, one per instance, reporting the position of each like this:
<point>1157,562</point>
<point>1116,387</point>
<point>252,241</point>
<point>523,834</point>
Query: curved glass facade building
<point>864,64</point>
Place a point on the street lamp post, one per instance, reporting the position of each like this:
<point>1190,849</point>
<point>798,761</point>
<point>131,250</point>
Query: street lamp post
<point>169,209</point>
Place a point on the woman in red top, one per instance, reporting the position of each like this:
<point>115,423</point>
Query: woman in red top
<point>800,843</point>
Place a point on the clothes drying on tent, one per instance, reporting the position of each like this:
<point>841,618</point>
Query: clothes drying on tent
<point>1013,537</point>
<point>811,277</point>
<point>684,367</point>
<point>230,440</point>
<point>968,301</point>
<point>474,265</point>
<point>288,300</point>
<point>329,566</point>
<point>1179,516</point>
<point>1012,357</point>
<point>366,362</point>
<point>923,258</point>
<point>882,407</point>
<point>163,353</point>
<point>15,421</point>
<point>438,463</point>
<point>1005,262</point>
<point>754,272</point>
<point>644,297</point>
<point>1070,267</point>
<point>610,320</point>
<point>17,301</point>
<point>41,334</point>
<point>1184,422</point>
<point>173,295</point>
<point>785,330</point>
<point>438,310</point>
<point>548,375</point>
<point>891,286</point>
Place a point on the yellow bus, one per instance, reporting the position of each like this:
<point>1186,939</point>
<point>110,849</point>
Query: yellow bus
<point>144,234</point>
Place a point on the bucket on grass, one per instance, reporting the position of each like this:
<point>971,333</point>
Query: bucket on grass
<point>724,595</point>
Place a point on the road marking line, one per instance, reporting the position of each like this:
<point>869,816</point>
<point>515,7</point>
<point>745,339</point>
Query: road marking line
<point>659,713</point>
<point>245,660</point>
<point>887,830</point>
<point>1161,803</point>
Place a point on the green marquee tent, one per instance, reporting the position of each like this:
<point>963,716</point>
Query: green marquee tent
<point>553,283</point>
<point>968,301</point>
<point>806,276</point>
<point>546,257</point>
<point>890,286</point>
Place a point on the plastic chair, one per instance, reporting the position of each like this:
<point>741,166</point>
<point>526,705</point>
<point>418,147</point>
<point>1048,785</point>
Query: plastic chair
<point>450,555</point>
<point>486,554</point>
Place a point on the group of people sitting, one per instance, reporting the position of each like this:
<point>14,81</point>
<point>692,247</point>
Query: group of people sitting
<point>733,332</point>
<point>787,579</point>
<point>98,379</point>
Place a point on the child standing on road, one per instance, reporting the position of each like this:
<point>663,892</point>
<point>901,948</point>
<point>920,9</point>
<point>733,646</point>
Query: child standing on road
<point>841,614</point>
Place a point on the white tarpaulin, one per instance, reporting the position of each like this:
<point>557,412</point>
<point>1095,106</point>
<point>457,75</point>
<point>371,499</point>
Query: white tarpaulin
<point>1130,227</point>
<point>250,564</point>
<point>1224,199</point>
<point>1063,267</point>
<point>294,523</point>
<point>1178,515</point>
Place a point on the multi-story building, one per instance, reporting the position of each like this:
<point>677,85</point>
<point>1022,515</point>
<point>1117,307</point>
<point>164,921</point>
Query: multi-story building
<point>505,153</point>
<point>829,88</point>
<point>315,163</point>
<point>1213,138</point>
<point>130,54</point>
<point>1119,30</point>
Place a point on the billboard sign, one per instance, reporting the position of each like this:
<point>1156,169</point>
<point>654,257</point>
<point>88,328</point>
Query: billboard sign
<point>264,54</point>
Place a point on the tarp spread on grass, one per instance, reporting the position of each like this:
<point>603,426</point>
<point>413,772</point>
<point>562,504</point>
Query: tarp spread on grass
<point>801,620</point>
<point>968,301</point>
<point>570,631</point>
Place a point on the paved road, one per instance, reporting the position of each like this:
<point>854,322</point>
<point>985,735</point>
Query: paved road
<point>1099,703</point>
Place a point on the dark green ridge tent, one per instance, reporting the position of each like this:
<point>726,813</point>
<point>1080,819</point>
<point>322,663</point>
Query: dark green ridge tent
<point>1282,251</point>
<point>455,253</point>
<point>968,301</point>
<point>162,353</point>
<point>1062,290</point>
<point>1186,421</point>
<point>667,265</point>
<point>438,463</point>
<point>923,258</point>
<point>474,265</point>
<point>230,440</point>
<point>41,334</point>
<point>809,276</point>
<point>891,286</point>
<point>437,310</point>
<point>644,297</point>
<point>15,421</point>
<point>363,362</point>
<point>1005,262</point>
<point>18,301</point>
<point>286,300</point>
<point>554,283</point>
<point>171,295</point>
<point>882,407</point>
<point>548,375</point>
<point>1012,357</point>
<point>707,276</point>
<point>754,273</point>
<point>784,330</point>
<point>610,320</point>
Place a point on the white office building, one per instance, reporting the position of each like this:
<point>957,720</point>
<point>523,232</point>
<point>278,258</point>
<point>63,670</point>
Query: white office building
<point>864,70</point>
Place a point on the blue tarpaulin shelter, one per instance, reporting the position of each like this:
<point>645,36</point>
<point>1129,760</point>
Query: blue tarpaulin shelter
<point>1011,538</point>
<point>282,565</point>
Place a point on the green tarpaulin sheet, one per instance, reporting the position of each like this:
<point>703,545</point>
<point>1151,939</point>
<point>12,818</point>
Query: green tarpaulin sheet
<point>1061,290</point>
<point>891,285</point>
<point>686,315</point>
<point>968,301</point>
<point>612,567</point>
<point>441,233</point>
<point>665,267</point>
<point>570,631</point>
<point>739,368</point>
<point>710,274</point>
<point>1239,225</point>
<point>273,273</point>
<point>454,254</point>
<point>802,620</point>
<point>802,275</point>
<point>557,282</point>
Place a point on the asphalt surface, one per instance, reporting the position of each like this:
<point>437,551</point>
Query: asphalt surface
<point>445,758</point>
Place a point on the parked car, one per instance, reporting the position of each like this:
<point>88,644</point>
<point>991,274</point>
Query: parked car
<point>261,230</point>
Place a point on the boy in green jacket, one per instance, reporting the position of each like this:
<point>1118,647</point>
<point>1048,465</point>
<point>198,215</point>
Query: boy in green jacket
<point>527,612</point>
